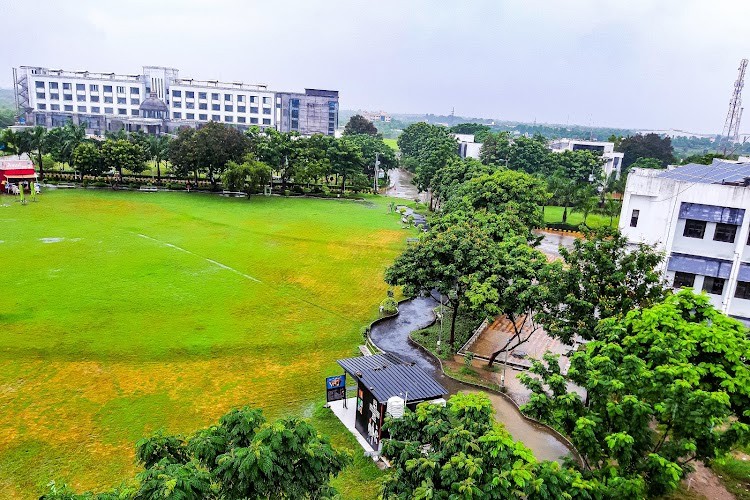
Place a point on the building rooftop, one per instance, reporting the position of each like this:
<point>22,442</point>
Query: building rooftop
<point>719,172</point>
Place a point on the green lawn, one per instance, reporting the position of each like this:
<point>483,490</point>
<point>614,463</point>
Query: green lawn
<point>127,312</point>
<point>392,143</point>
<point>554,214</point>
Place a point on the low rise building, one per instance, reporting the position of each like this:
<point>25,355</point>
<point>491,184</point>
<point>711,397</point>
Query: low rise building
<point>159,101</point>
<point>699,216</point>
<point>467,148</point>
<point>606,149</point>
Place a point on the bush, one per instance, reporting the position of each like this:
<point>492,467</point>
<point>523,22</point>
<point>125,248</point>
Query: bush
<point>100,184</point>
<point>287,192</point>
<point>85,182</point>
<point>389,306</point>
<point>176,186</point>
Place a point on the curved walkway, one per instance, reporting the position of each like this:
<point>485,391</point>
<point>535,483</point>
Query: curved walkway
<point>392,335</point>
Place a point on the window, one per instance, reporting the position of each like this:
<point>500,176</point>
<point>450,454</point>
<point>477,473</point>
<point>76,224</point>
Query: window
<point>94,98</point>
<point>189,94</point>
<point>81,98</point>
<point>215,97</point>
<point>134,101</point>
<point>80,86</point>
<point>41,106</point>
<point>67,97</point>
<point>201,95</point>
<point>229,108</point>
<point>176,93</point>
<point>67,86</point>
<point>176,104</point>
<point>216,107</point>
<point>190,105</point>
<point>241,119</point>
<point>54,107</point>
<point>295,114</point>
<point>53,85</point>
<point>93,88</point>
<point>725,232</point>
<point>228,119</point>
<point>95,109</point>
<point>39,85</point>
<point>133,112</point>
<point>254,110</point>
<point>253,120</point>
<point>266,100</point>
<point>331,105</point>
<point>41,95</point>
<point>190,116</point>
<point>295,124</point>
<point>714,286</point>
<point>216,118</point>
<point>68,107</point>
<point>266,111</point>
<point>694,228</point>
<point>121,100</point>
<point>122,111</point>
<point>203,116</point>
<point>135,91</point>
<point>253,98</point>
<point>108,99</point>
<point>120,90</point>
<point>241,109</point>
<point>54,97</point>
<point>81,109</point>
<point>202,105</point>
<point>228,97</point>
<point>266,121</point>
<point>683,280</point>
<point>295,103</point>
<point>176,114</point>
<point>743,290</point>
<point>108,111</point>
<point>108,88</point>
<point>240,98</point>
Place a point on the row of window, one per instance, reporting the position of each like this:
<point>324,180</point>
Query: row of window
<point>215,96</point>
<point>229,108</point>
<point>85,109</point>
<point>177,115</point>
<point>723,232</point>
<point>714,286</point>
<point>134,101</point>
<point>93,87</point>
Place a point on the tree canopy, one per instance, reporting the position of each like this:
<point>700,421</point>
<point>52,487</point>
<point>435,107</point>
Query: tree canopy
<point>646,146</point>
<point>358,124</point>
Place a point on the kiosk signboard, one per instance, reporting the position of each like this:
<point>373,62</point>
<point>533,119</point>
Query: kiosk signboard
<point>335,388</point>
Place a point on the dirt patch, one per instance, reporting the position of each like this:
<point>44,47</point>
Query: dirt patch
<point>704,481</point>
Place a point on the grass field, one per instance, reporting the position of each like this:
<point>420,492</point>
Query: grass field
<point>393,143</point>
<point>554,214</point>
<point>123,313</point>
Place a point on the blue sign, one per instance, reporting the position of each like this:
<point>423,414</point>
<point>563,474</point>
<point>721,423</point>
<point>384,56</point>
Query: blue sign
<point>336,382</point>
<point>335,388</point>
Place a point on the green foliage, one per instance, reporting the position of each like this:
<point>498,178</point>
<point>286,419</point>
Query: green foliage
<point>665,385</point>
<point>248,177</point>
<point>425,149</point>
<point>646,146</point>
<point>358,124</point>
<point>455,172</point>
<point>121,154</point>
<point>87,159</point>
<point>600,277</point>
<point>459,451</point>
<point>652,163</point>
<point>389,306</point>
<point>479,131</point>
<point>580,166</point>
<point>241,457</point>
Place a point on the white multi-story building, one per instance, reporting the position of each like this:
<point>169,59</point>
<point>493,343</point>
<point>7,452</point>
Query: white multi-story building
<point>467,147</point>
<point>159,101</point>
<point>607,150</point>
<point>699,216</point>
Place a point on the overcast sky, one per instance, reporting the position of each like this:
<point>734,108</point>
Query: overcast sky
<point>625,63</point>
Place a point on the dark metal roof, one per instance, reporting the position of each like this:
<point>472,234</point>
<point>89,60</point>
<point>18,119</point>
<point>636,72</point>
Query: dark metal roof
<point>360,364</point>
<point>406,381</point>
<point>717,173</point>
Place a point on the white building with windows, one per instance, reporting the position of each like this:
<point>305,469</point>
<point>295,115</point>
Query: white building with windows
<point>607,149</point>
<point>699,216</point>
<point>159,101</point>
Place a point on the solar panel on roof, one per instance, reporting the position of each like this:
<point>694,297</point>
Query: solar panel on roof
<point>717,173</point>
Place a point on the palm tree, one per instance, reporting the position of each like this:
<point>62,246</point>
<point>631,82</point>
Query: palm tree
<point>611,208</point>
<point>158,147</point>
<point>586,201</point>
<point>563,191</point>
<point>39,143</point>
<point>73,135</point>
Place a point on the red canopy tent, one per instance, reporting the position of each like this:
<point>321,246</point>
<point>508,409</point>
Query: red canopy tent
<point>15,169</point>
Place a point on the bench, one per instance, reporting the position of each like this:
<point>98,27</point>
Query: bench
<point>148,188</point>
<point>66,186</point>
<point>233,193</point>
<point>364,350</point>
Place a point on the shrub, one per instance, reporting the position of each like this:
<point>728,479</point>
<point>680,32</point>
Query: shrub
<point>287,192</point>
<point>85,182</point>
<point>468,358</point>
<point>389,306</point>
<point>100,184</point>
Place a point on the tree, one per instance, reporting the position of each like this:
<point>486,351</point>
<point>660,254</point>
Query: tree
<point>218,144</point>
<point>425,149</point>
<point>38,142</point>
<point>564,192</point>
<point>495,149</point>
<point>585,201</point>
<point>358,124</point>
<point>183,153</point>
<point>646,146</point>
<point>665,386</point>
<point>580,166</point>
<point>600,277</point>
<point>531,155</point>
<point>703,159</point>
<point>346,160</point>
<point>611,208</point>
<point>448,259</point>
<point>455,172</point>
<point>158,150</point>
<point>122,154</point>
<point>479,131</point>
<point>280,151</point>
<point>87,159</point>
<point>459,451</point>
<point>248,176</point>
<point>503,191</point>
<point>242,457</point>
<point>369,147</point>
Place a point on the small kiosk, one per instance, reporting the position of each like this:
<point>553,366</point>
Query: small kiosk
<point>385,385</point>
<point>16,170</point>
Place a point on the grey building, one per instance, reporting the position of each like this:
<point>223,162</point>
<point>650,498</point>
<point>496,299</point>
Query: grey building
<point>314,112</point>
<point>159,101</point>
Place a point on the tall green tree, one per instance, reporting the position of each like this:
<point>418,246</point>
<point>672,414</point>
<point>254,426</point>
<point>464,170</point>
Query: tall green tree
<point>218,144</point>
<point>495,149</point>
<point>358,124</point>
<point>665,386</point>
<point>646,146</point>
<point>447,179</point>
<point>346,160</point>
<point>158,150</point>
<point>564,192</point>
<point>370,147</point>
<point>580,166</point>
<point>184,153</point>
<point>249,176</point>
<point>122,155</point>
<point>531,155</point>
<point>88,159</point>
<point>600,277</point>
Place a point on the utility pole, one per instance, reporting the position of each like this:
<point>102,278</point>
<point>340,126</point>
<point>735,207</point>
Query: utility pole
<point>377,164</point>
<point>734,115</point>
